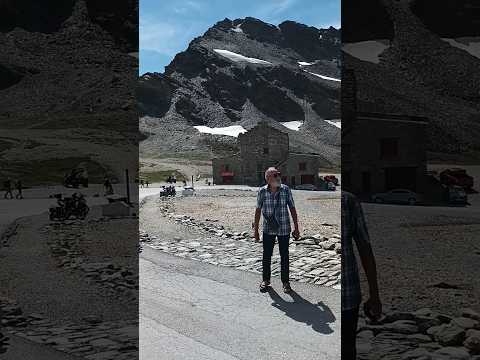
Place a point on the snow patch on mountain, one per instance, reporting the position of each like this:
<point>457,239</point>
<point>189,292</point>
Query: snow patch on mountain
<point>304,63</point>
<point>240,58</point>
<point>238,29</point>
<point>366,50</point>
<point>337,123</point>
<point>292,125</point>
<point>322,76</point>
<point>233,130</point>
<point>470,44</point>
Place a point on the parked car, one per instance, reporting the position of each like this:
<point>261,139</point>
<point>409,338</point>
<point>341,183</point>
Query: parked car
<point>457,195</point>
<point>331,186</point>
<point>458,177</point>
<point>398,196</point>
<point>310,187</point>
<point>331,178</point>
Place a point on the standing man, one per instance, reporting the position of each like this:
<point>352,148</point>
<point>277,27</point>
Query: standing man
<point>8,188</point>
<point>18,186</point>
<point>354,229</point>
<point>273,201</point>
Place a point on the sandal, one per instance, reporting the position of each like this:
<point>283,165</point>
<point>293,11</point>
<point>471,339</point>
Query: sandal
<point>264,286</point>
<point>287,288</point>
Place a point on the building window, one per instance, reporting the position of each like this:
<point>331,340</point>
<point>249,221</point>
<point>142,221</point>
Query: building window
<point>302,166</point>
<point>265,150</point>
<point>388,148</point>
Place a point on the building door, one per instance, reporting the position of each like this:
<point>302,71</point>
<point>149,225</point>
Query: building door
<point>307,179</point>
<point>366,182</point>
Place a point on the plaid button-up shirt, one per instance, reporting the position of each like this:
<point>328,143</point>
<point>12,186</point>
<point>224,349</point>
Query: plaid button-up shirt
<point>353,229</point>
<point>281,201</point>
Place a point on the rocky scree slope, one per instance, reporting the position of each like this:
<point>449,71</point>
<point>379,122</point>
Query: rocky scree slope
<point>421,74</point>
<point>74,58</point>
<point>238,73</point>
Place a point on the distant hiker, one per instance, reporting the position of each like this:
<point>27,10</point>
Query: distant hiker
<point>108,186</point>
<point>142,183</point>
<point>7,185</point>
<point>354,229</point>
<point>18,186</point>
<point>273,201</point>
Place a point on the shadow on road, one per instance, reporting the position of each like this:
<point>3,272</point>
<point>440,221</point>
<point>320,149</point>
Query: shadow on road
<point>318,316</point>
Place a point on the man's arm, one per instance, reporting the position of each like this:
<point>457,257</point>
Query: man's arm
<point>258,213</point>
<point>367,258</point>
<point>369,265</point>
<point>256,223</point>
<point>293,212</point>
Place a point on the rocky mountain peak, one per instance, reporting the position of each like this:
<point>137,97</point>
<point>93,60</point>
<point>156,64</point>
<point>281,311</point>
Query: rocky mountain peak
<point>242,71</point>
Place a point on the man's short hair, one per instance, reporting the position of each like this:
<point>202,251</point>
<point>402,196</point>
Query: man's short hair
<point>271,170</point>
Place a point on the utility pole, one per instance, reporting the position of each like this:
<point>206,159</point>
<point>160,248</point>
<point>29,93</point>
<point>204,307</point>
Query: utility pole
<point>128,186</point>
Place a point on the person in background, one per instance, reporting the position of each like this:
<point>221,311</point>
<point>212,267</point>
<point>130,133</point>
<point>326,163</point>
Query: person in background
<point>354,229</point>
<point>142,183</point>
<point>147,183</point>
<point>107,186</point>
<point>273,201</point>
<point>8,188</point>
<point>19,187</point>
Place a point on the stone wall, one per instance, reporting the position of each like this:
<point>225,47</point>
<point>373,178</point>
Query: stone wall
<point>260,148</point>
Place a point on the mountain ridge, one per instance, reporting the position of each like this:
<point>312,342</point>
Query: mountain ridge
<point>242,71</point>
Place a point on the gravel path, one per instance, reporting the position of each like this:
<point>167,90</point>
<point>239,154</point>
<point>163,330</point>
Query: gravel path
<point>30,275</point>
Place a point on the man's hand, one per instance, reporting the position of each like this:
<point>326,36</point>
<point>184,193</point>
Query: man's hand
<point>373,308</point>
<point>296,234</point>
<point>257,235</point>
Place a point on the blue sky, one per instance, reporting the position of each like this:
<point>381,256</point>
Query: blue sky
<point>168,26</point>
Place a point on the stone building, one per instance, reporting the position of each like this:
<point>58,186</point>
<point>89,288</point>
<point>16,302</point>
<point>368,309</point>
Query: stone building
<point>380,151</point>
<point>264,146</point>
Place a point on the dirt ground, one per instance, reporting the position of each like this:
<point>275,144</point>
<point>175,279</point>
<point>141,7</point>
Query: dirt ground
<point>319,212</point>
<point>426,256</point>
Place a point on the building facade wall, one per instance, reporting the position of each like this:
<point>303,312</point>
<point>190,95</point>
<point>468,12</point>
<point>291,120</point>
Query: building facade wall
<point>301,169</point>
<point>261,147</point>
<point>227,164</point>
<point>363,163</point>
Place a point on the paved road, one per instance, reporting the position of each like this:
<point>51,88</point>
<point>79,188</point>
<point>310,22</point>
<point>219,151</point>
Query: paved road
<point>193,310</point>
<point>20,349</point>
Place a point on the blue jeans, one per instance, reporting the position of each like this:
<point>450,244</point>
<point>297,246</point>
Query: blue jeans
<point>268,245</point>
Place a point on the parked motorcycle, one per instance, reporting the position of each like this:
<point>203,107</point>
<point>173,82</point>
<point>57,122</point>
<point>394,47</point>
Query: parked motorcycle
<point>68,207</point>
<point>166,191</point>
